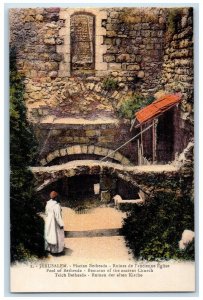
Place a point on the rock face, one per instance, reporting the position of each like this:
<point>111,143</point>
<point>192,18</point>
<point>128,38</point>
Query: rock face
<point>85,63</point>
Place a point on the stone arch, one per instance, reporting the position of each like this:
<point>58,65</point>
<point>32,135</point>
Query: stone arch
<point>48,175</point>
<point>84,149</point>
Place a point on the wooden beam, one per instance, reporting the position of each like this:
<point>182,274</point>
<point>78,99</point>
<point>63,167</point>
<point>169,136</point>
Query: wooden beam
<point>141,141</point>
<point>154,140</point>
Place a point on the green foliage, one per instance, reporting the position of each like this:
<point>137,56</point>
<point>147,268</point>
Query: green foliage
<point>153,231</point>
<point>110,84</point>
<point>173,18</point>
<point>25,225</point>
<point>131,105</point>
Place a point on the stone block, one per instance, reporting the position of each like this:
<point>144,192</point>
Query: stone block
<point>53,74</point>
<point>70,173</point>
<point>92,132</point>
<point>98,88</point>
<point>81,140</point>
<point>118,156</point>
<point>105,196</point>
<point>50,41</point>
<point>100,31</point>
<point>157,46</point>
<point>141,74</point>
<point>77,149</point>
<point>114,15</point>
<point>115,66</point>
<point>109,58</point>
<point>145,26</point>
<point>133,67</point>
<point>90,86</point>
<point>63,152</point>
<point>56,153</point>
<point>101,151</point>
<point>150,46</point>
<point>125,161</point>
<point>70,150</point>
<point>106,139</point>
<point>123,58</point>
<point>84,149</point>
<point>64,67</point>
<point>39,18</point>
<point>111,33</point>
<point>50,157</point>
<point>110,154</point>
<point>43,162</point>
<point>90,149</point>
<point>160,33</point>
<point>145,33</point>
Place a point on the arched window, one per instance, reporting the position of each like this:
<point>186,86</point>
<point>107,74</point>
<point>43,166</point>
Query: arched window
<point>82,42</point>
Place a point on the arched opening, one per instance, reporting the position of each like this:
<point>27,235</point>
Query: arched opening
<point>75,192</point>
<point>90,190</point>
<point>126,190</point>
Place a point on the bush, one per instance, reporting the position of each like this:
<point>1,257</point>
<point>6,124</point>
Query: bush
<point>153,231</point>
<point>27,228</point>
<point>110,84</point>
<point>131,105</point>
<point>173,19</point>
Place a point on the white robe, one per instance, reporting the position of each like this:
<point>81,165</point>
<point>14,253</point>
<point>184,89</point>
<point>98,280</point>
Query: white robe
<point>54,235</point>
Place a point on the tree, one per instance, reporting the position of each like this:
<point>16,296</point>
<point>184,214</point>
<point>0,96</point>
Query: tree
<point>25,224</point>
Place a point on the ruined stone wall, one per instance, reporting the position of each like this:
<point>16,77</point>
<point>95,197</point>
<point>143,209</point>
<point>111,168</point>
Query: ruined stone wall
<point>134,39</point>
<point>128,50</point>
<point>88,139</point>
<point>177,73</point>
<point>132,52</point>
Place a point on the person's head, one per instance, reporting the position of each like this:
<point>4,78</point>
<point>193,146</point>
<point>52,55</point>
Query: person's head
<point>53,195</point>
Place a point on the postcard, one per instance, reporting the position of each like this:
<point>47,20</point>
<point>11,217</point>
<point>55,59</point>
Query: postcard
<point>101,149</point>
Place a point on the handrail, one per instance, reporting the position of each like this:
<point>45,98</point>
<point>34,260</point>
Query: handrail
<point>126,142</point>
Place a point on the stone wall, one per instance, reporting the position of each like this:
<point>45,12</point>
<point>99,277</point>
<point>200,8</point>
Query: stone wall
<point>177,75</point>
<point>134,39</point>
<point>133,53</point>
<point>128,50</point>
<point>150,181</point>
<point>90,139</point>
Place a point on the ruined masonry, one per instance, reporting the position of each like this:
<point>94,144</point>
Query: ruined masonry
<point>80,65</point>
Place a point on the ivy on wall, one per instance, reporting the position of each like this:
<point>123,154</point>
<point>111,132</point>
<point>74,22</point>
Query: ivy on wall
<point>25,225</point>
<point>132,104</point>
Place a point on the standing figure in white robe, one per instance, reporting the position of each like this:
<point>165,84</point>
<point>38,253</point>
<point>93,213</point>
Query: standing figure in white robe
<point>54,226</point>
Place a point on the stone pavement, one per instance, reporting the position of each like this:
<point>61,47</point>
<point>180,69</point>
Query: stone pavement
<point>94,236</point>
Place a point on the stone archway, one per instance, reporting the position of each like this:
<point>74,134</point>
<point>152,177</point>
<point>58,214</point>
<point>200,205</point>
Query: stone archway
<point>87,150</point>
<point>77,180</point>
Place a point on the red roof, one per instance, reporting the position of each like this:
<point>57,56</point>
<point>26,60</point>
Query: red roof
<point>157,107</point>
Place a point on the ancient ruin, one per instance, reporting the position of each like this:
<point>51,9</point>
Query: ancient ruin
<point>80,68</point>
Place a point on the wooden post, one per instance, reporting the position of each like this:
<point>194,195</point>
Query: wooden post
<point>138,152</point>
<point>154,140</point>
<point>141,142</point>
